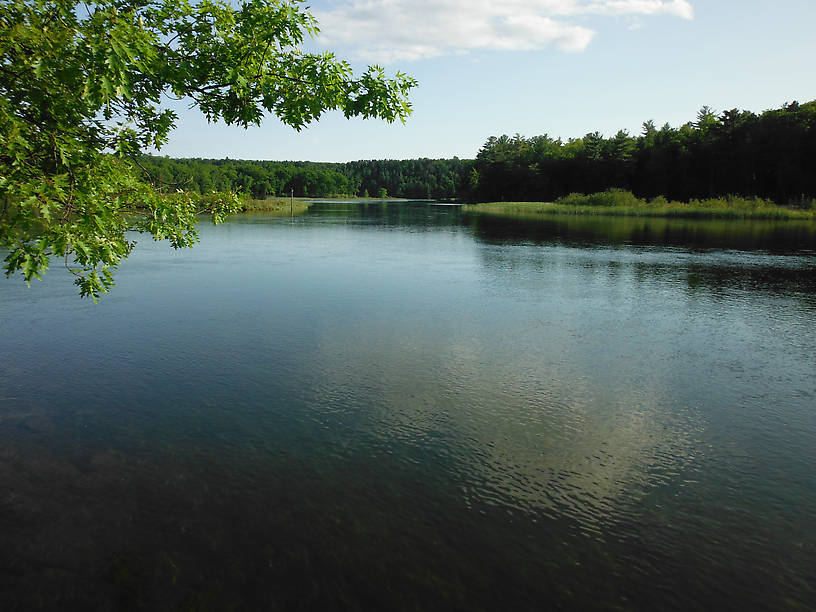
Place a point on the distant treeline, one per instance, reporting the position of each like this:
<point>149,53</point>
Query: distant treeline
<point>413,178</point>
<point>770,155</point>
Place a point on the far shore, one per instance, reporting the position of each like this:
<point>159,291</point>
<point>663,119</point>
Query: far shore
<point>283,206</point>
<point>613,203</point>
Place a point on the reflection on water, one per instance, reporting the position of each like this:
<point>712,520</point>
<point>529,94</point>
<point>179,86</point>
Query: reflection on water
<point>773,236</point>
<point>394,406</point>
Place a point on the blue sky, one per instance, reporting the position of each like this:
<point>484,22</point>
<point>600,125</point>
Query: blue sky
<point>561,67</point>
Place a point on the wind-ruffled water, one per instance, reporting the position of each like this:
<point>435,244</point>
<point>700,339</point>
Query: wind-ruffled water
<point>401,407</point>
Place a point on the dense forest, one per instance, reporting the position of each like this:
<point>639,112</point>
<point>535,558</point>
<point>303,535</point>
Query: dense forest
<point>413,178</point>
<point>770,155</point>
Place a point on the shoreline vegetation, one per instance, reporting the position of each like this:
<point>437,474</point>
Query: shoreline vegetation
<point>611,203</point>
<point>276,207</point>
<point>621,203</point>
<point>764,161</point>
<point>770,155</point>
<point>284,207</point>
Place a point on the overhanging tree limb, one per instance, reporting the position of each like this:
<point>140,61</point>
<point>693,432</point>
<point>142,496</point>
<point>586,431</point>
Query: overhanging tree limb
<point>80,94</point>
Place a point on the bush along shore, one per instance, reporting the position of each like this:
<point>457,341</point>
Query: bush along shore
<point>618,202</point>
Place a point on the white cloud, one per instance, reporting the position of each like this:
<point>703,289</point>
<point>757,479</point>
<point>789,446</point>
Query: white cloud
<point>387,30</point>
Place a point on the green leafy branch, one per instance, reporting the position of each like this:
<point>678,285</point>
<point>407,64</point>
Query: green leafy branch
<point>80,99</point>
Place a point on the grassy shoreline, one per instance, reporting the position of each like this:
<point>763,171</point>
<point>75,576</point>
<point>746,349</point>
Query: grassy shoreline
<point>624,204</point>
<point>277,207</point>
<point>284,207</point>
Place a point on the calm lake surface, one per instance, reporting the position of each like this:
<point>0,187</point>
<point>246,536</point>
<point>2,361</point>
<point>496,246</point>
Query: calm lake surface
<point>399,407</point>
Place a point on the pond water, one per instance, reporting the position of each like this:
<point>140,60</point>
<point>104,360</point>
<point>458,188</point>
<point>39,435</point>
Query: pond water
<point>401,407</point>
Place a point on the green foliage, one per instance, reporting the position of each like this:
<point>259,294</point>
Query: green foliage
<point>406,178</point>
<point>771,155</point>
<point>410,178</point>
<point>80,97</point>
<point>610,197</point>
<point>258,179</point>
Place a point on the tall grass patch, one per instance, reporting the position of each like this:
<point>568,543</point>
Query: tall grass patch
<point>619,202</point>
